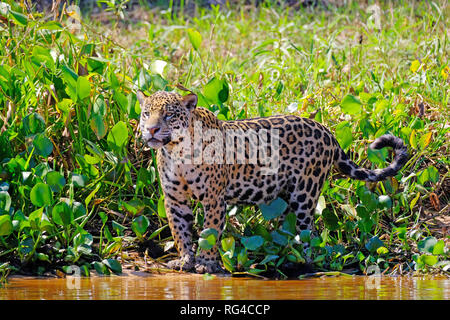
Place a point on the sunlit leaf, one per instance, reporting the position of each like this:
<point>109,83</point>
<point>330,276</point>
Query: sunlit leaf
<point>41,195</point>
<point>351,105</point>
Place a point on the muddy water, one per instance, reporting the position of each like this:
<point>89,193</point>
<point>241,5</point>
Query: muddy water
<point>191,287</point>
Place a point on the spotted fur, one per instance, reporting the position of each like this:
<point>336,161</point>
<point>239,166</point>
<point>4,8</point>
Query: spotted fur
<point>307,151</point>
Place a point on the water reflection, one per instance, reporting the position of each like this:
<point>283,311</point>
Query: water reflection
<point>191,287</point>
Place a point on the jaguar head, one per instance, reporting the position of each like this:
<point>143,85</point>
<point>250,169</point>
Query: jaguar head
<point>163,115</point>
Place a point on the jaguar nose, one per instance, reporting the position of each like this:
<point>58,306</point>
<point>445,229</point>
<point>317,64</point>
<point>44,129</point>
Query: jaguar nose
<point>153,130</point>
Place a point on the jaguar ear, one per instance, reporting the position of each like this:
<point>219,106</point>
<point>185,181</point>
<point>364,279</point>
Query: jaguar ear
<point>141,97</point>
<point>189,101</point>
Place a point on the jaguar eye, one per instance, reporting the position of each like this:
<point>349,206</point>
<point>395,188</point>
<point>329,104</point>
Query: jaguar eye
<point>168,116</point>
<point>146,114</point>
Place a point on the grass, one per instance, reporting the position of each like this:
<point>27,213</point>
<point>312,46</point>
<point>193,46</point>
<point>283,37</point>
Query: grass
<point>78,188</point>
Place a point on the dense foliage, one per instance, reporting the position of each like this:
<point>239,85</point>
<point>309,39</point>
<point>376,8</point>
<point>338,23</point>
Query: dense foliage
<point>78,188</point>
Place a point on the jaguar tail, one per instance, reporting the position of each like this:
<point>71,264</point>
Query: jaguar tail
<point>349,168</point>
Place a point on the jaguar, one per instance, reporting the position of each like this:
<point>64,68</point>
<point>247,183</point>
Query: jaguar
<point>294,156</point>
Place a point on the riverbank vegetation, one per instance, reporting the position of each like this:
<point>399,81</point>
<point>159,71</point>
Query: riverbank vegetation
<point>77,187</point>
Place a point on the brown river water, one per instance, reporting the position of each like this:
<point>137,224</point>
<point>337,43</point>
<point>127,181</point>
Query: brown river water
<point>139,286</point>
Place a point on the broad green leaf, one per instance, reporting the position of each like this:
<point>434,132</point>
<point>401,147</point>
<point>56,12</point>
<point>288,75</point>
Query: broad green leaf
<point>55,180</point>
<point>195,38</point>
<point>330,219</point>
<point>6,226</point>
<point>140,225</point>
<point>344,135</point>
<point>351,105</point>
<point>98,126</point>
<point>5,201</point>
<point>208,238</point>
<point>385,202</point>
<point>113,264</point>
<point>279,238</point>
<point>289,224</point>
<point>439,247</point>
<point>41,195</point>
<point>373,244</point>
<point>33,124</point>
<point>41,56</point>
<point>273,209</point>
<point>69,76</point>
<point>268,258</point>
<point>427,245</point>
<point>62,214</point>
<point>253,242</point>
<point>305,236</point>
<point>101,268</point>
<point>19,18</point>
<point>216,91</point>
<point>429,259</point>
<point>83,87</point>
<point>43,145</point>
<point>228,244</point>
<point>35,219</point>
<point>118,135</point>
<point>382,250</point>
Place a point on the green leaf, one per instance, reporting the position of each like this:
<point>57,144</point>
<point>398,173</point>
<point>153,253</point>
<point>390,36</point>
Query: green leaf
<point>373,244</point>
<point>69,76</point>
<point>118,135</point>
<point>384,202</point>
<point>41,56</point>
<point>33,123</point>
<point>268,258</point>
<point>429,259</point>
<point>62,214</point>
<point>101,268</point>
<point>55,180</point>
<point>41,195</point>
<point>273,209</point>
<point>5,201</point>
<point>290,223</point>
<point>351,105</point>
<point>382,250</point>
<point>43,145</point>
<point>279,238</point>
<point>344,135</point>
<point>216,91</point>
<point>253,242</point>
<point>35,219</point>
<point>316,242</point>
<point>6,226</point>
<point>83,87</point>
<point>228,245</point>
<point>113,265</point>
<point>439,247</point>
<point>195,38</point>
<point>19,18</point>
<point>208,238</point>
<point>330,219</point>
<point>305,236</point>
<point>140,225</point>
<point>427,245</point>
<point>161,208</point>
<point>98,125</point>
<point>79,180</point>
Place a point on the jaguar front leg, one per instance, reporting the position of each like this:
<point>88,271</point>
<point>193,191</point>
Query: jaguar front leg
<point>180,218</point>
<point>208,261</point>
